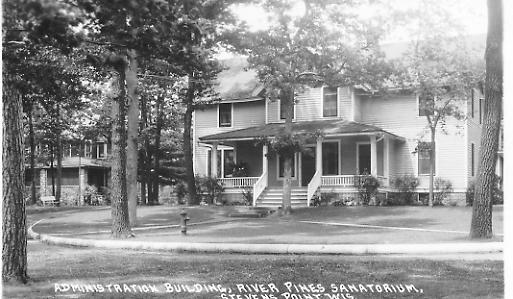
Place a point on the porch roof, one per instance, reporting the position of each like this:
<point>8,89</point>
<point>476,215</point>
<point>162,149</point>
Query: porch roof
<point>76,162</point>
<point>328,128</point>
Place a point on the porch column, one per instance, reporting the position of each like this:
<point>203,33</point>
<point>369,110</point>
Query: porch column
<point>386,156</point>
<point>374,156</point>
<point>42,182</point>
<point>82,174</point>
<point>213,158</point>
<point>318,155</point>
<point>264,158</point>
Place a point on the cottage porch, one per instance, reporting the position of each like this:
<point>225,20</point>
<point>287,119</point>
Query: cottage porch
<point>332,163</point>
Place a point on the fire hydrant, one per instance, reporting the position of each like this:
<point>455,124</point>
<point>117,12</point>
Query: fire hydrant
<point>183,222</point>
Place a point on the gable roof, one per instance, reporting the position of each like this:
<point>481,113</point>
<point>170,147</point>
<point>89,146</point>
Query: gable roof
<point>333,127</point>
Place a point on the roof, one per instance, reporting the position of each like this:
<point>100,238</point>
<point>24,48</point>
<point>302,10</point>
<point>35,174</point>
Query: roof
<point>75,162</point>
<point>333,127</point>
<point>237,82</point>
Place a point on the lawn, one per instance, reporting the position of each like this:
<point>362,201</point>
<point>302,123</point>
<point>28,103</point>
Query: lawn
<point>50,265</point>
<point>322,225</point>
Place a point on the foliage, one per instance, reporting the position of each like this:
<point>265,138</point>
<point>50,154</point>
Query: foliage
<point>240,169</point>
<point>180,191</point>
<point>367,187</point>
<point>406,186</point>
<point>442,188</point>
<point>247,195</point>
<point>209,189</point>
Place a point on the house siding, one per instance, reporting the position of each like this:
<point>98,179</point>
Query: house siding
<point>398,115</point>
<point>247,114</point>
<point>309,106</point>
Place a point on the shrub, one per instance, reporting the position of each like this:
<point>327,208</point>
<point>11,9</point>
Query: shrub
<point>209,189</point>
<point>247,195</point>
<point>441,188</point>
<point>240,169</point>
<point>367,187</point>
<point>180,191</point>
<point>406,186</point>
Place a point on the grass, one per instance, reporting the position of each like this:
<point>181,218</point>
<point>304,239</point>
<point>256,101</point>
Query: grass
<point>437,278</point>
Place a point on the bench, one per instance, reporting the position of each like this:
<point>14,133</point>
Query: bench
<point>48,200</point>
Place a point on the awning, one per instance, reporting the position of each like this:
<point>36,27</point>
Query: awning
<point>328,128</point>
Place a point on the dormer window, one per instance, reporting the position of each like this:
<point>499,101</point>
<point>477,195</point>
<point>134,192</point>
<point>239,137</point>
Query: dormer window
<point>329,102</point>
<point>225,115</point>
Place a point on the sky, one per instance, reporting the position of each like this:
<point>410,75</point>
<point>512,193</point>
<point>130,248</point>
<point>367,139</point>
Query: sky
<point>471,14</point>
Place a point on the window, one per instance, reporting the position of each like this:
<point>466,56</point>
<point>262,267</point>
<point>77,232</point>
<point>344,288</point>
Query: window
<point>101,150</point>
<point>329,102</point>
<point>225,162</point>
<point>225,115</point>
<point>426,105</point>
<point>330,158</point>
<point>283,109</point>
<point>423,150</point>
<point>472,161</point>
<point>481,111</point>
<point>281,167</point>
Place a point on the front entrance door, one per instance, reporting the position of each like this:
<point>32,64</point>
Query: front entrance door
<point>364,158</point>
<point>307,166</point>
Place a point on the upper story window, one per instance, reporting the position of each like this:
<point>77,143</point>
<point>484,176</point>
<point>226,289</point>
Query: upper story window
<point>426,105</point>
<point>329,102</point>
<point>225,115</point>
<point>283,110</point>
<point>423,150</point>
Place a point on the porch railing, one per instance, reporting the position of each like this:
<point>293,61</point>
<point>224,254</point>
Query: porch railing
<point>348,180</point>
<point>338,180</point>
<point>314,184</point>
<point>259,187</point>
<point>238,182</point>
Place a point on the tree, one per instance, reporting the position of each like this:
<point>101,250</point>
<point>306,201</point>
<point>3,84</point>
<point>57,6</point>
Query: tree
<point>199,32</point>
<point>442,75</point>
<point>301,51</point>
<point>481,225</point>
<point>25,25</point>
<point>440,67</point>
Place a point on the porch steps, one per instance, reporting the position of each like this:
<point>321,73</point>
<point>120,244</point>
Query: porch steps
<point>272,197</point>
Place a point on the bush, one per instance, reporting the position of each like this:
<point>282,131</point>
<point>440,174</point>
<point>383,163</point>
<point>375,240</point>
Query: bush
<point>441,188</point>
<point>367,187</point>
<point>209,190</point>
<point>247,194</point>
<point>497,192</point>
<point>406,186</point>
<point>180,191</point>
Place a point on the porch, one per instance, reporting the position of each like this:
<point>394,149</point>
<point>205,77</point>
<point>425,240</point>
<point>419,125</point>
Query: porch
<point>332,163</point>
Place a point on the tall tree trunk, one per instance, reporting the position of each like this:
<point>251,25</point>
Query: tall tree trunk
<point>58,189</point>
<point>144,167</point>
<point>187,144</point>
<point>156,155</point>
<point>431,166</point>
<point>120,220</point>
<point>14,238</point>
<point>481,226</point>
<point>32,142</point>
<point>288,160</point>
<point>132,132</point>
<point>52,168</point>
